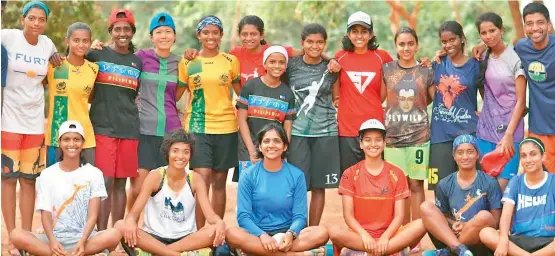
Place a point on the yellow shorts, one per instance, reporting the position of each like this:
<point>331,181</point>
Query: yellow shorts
<point>23,155</point>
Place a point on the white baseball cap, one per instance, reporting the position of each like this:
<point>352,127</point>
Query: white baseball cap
<point>70,126</point>
<point>372,124</point>
<point>275,49</point>
<point>359,18</point>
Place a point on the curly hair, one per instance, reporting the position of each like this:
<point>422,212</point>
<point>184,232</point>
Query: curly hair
<point>176,136</point>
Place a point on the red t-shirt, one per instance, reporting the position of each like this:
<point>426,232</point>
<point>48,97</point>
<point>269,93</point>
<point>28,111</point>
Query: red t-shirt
<point>374,196</point>
<point>360,85</point>
<point>251,64</point>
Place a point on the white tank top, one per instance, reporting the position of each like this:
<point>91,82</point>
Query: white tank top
<point>171,214</point>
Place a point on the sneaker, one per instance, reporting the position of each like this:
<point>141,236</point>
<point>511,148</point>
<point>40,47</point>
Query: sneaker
<point>222,250</point>
<point>349,252</point>
<point>405,252</point>
<point>416,249</point>
<point>440,252</point>
<point>462,250</point>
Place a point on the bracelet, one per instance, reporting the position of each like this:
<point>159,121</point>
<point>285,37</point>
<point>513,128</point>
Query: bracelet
<point>292,233</point>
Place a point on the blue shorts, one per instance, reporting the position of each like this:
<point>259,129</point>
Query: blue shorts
<point>511,168</point>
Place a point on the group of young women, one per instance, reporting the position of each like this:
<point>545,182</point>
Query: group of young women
<point>297,101</point>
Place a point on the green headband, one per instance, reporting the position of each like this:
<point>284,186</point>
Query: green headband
<point>535,141</point>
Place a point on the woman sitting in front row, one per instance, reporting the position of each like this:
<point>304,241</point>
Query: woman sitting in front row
<point>169,195</point>
<point>272,204</point>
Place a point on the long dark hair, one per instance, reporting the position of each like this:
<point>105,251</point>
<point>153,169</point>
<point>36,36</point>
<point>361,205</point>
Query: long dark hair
<point>131,47</point>
<point>76,26</point>
<point>498,22</point>
<point>348,45</point>
<point>281,133</point>
<point>255,21</point>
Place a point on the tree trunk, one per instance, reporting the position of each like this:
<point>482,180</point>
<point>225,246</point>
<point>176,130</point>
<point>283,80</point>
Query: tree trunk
<point>233,41</point>
<point>517,20</point>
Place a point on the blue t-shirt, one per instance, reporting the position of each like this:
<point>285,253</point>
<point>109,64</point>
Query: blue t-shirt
<point>463,203</point>
<point>534,206</point>
<point>4,65</point>
<point>539,67</point>
<point>455,104</point>
<point>270,201</point>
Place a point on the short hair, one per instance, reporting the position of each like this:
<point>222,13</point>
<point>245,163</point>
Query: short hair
<point>260,136</point>
<point>314,28</point>
<point>533,8</point>
<point>178,135</point>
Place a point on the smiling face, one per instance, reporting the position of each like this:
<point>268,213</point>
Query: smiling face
<point>210,37</point>
<point>406,46</point>
<point>372,143</point>
<point>531,157</point>
<point>35,21</point>
<point>71,144</point>
<point>122,33</point>
<point>360,36</point>
<point>179,155</point>
<point>250,36</point>
<point>466,156</point>
<point>272,146</point>
<point>490,34</point>
<point>275,64</point>
<point>79,42</point>
<point>451,43</point>
<point>163,38</point>
<point>313,45</point>
<point>537,27</point>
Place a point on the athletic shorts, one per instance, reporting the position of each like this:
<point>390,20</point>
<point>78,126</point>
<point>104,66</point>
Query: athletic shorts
<point>243,157</point>
<point>150,156</point>
<point>116,157</point>
<point>318,157</point>
<point>23,155</point>
<point>549,143</point>
<point>54,153</point>
<point>442,163</point>
<point>349,152</point>
<point>166,241</point>
<point>412,160</point>
<point>215,151</point>
<point>68,243</point>
<point>530,244</point>
<point>277,231</point>
<point>511,168</point>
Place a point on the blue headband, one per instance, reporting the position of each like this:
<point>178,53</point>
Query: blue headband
<point>35,3</point>
<point>209,20</point>
<point>465,138</point>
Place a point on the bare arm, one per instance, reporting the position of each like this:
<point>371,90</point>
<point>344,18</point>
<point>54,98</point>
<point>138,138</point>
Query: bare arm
<point>245,131</point>
<point>349,214</point>
<point>47,225</point>
<point>496,215</point>
<point>520,85</point>
<point>431,94</point>
<point>92,216</point>
<point>397,221</point>
<point>335,93</point>
<point>505,222</point>
<point>179,92</point>
<point>201,193</point>
<point>236,87</point>
<point>287,125</point>
<point>383,91</point>
<point>151,184</point>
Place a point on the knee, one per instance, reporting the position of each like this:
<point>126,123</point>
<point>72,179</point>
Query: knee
<point>487,235</point>
<point>17,237</point>
<point>483,219</point>
<point>319,234</point>
<point>426,208</point>
<point>233,237</point>
<point>219,181</point>
<point>120,226</point>
<point>334,233</point>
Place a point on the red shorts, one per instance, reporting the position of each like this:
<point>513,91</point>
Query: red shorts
<point>117,157</point>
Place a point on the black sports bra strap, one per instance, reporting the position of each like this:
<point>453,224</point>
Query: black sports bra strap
<point>160,185</point>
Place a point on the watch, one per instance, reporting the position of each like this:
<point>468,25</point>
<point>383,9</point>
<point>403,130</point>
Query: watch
<point>292,233</point>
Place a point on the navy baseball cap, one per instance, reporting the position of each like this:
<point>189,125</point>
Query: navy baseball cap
<point>161,19</point>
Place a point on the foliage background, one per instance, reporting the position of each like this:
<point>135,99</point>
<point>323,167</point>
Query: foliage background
<point>283,19</point>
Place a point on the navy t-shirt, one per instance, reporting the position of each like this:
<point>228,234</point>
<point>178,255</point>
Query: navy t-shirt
<point>539,67</point>
<point>463,204</point>
<point>455,103</point>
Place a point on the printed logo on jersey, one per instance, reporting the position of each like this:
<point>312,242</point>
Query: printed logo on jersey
<point>247,77</point>
<point>536,71</point>
<point>361,80</point>
<point>525,201</point>
<point>265,108</point>
<point>118,75</point>
<point>470,200</point>
<point>450,88</point>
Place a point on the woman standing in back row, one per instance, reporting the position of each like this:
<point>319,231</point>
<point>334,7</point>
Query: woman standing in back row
<point>23,156</point>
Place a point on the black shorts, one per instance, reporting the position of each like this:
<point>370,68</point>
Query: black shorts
<point>215,151</point>
<point>277,231</point>
<point>530,244</point>
<point>477,250</point>
<point>150,156</point>
<point>166,241</point>
<point>442,163</point>
<point>318,157</point>
<point>349,152</point>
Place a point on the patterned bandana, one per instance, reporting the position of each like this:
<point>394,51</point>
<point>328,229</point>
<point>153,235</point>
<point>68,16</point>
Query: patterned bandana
<point>465,138</point>
<point>209,20</point>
